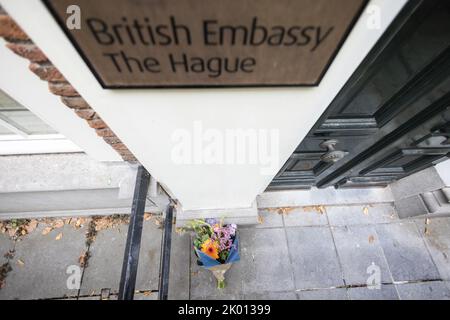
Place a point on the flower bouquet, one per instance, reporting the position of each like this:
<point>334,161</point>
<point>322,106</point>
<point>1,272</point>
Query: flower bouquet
<point>216,246</point>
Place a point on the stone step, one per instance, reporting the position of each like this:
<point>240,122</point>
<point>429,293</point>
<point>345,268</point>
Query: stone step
<point>440,197</point>
<point>415,207</point>
<point>411,207</point>
<point>21,205</point>
<point>57,172</point>
<point>239,216</point>
<point>446,193</point>
<point>33,186</point>
<point>430,201</point>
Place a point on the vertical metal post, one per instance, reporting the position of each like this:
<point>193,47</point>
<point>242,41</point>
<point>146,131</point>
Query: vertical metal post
<point>165,252</point>
<point>133,245</point>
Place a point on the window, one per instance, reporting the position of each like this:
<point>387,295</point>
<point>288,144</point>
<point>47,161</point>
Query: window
<point>22,132</point>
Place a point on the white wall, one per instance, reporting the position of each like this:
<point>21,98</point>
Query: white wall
<point>145,119</point>
<point>33,93</point>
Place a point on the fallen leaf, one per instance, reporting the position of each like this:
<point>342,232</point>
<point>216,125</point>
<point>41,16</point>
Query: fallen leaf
<point>147,216</point>
<point>83,259</point>
<point>47,230</point>
<point>260,219</point>
<point>371,239</point>
<point>31,226</point>
<point>366,211</point>
<point>59,236</point>
<point>20,262</point>
<point>58,224</point>
<point>285,210</point>
<point>147,293</point>
<point>321,209</point>
<point>9,254</point>
<point>12,232</point>
<point>318,209</point>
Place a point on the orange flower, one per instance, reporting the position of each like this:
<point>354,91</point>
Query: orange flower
<point>211,248</point>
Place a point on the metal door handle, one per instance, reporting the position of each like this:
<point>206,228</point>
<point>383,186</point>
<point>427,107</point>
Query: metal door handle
<point>332,154</point>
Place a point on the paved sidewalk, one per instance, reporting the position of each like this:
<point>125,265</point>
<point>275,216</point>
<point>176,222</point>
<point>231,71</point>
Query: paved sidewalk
<point>325,253</point>
<point>295,253</point>
<point>42,261</point>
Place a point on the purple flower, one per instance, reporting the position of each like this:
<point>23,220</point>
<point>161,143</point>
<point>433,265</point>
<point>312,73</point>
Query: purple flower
<point>223,236</point>
<point>211,221</point>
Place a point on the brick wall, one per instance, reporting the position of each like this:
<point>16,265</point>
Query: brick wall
<point>19,43</point>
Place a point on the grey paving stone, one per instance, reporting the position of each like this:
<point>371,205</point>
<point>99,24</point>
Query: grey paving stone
<point>410,207</point>
<point>220,296</point>
<point>45,261</point>
<point>304,216</point>
<point>269,219</point>
<point>361,214</point>
<point>203,284</point>
<point>180,266</point>
<point>146,296</point>
<point>437,238</point>
<point>386,292</point>
<point>419,182</point>
<point>264,266</point>
<point>114,296</point>
<point>406,253</point>
<point>265,261</point>
<point>314,258</point>
<point>324,294</point>
<point>358,247</point>
<point>6,244</point>
<point>105,263</point>
<point>271,296</point>
<point>435,290</point>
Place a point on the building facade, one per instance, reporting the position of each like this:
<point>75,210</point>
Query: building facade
<point>356,99</point>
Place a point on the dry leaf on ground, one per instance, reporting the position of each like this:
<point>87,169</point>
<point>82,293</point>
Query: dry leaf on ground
<point>58,224</point>
<point>12,232</point>
<point>260,219</point>
<point>59,236</point>
<point>83,259</point>
<point>371,239</point>
<point>318,209</point>
<point>46,230</point>
<point>20,262</point>
<point>9,254</point>
<point>285,210</point>
<point>31,226</point>
<point>366,211</point>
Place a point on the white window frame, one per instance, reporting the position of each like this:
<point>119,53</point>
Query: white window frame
<point>26,88</point>
<point>16,144</point>
<point>20,142</point>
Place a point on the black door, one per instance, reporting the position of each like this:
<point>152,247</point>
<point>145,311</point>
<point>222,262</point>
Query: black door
<point>392,118</point>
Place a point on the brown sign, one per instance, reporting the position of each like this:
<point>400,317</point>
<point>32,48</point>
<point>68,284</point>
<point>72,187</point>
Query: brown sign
<point>207,43</point>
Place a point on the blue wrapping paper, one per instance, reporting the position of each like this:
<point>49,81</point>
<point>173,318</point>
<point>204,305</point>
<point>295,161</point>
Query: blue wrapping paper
<point>209,262</point>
